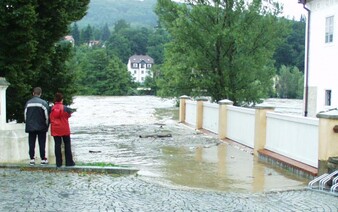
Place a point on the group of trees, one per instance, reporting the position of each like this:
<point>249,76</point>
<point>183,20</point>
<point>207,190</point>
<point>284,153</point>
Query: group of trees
<point>224,49</point>
<point>100,73</point>
<point>124,40</point>
<point>93,64</point>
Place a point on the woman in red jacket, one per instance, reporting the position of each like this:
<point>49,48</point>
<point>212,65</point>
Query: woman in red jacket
<point>60,130</point>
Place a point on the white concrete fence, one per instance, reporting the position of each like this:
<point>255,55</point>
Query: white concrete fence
<point>310,141</point>
<point>14,140</point>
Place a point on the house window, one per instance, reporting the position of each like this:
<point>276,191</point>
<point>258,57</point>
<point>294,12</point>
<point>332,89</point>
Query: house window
<point>148,65</point>
<point>142,72</point>
<point>134,65</point>
<point>329,30</point>
<point>134,71</point>
<point>327,97</point>
<point>142,78</point>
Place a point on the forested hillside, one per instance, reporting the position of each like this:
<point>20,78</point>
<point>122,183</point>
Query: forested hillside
<point>135,12</point>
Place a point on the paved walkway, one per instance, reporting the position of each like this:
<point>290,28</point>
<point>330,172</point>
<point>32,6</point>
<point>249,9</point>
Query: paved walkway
<point>61,191</point>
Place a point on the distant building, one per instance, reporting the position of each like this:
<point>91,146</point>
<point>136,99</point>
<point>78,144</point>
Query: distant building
<point>321,72</point>
<point>92,43</point>
<point>70,39</point>
<point>139,67</point>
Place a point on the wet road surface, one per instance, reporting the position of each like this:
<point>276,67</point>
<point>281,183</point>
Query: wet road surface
<point>123,131</point>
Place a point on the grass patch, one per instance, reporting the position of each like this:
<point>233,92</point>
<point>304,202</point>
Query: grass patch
<point>99,164</point>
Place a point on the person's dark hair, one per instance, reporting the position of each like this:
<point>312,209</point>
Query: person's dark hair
<point>37,91</point>
<point>58,97</point>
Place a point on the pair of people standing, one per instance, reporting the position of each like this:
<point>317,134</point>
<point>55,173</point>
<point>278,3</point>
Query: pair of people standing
<point>37,116</point>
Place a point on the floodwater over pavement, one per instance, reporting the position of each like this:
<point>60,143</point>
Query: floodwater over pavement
<point>124,131</point>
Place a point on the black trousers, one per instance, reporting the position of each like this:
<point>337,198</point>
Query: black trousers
<point>42,144</point>
<point>68,150</point>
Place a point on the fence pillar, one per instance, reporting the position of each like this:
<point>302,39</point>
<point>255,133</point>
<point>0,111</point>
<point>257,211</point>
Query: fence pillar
<point>199,112</point>
<point>328,139</point>
<point>3,86</point>
<point>223,117</point>
<point>182,113</point>
<point>260,127</point>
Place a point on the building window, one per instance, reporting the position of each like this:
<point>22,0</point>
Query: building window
<point>142,72</point>
<point>134,65</point>
<point>327,97</point>
<point>134,71</point>
<point>329,30</point>
<point>142,79</point>
<point>148,65</point>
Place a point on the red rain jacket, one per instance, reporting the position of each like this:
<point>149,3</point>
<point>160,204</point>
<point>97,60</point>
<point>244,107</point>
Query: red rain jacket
<point>59,120</point>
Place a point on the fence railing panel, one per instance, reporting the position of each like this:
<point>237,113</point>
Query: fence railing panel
<point>210,116</point>
<point>241,125</point>
<point>190,115</point>
<point>293,136</point>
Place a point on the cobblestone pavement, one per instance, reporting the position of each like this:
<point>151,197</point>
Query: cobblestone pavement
<point>62,191</point>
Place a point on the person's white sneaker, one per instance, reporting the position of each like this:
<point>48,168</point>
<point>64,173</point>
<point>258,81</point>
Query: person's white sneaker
<point>44,162</point>
<point>32,162</point>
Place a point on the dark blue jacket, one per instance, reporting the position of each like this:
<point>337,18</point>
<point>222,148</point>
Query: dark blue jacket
<point>36,115</point>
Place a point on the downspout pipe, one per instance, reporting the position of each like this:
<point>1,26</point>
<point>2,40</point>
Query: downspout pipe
<point>306,95</point>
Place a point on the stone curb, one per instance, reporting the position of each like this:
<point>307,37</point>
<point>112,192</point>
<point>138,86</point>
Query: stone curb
<point>91,169</point>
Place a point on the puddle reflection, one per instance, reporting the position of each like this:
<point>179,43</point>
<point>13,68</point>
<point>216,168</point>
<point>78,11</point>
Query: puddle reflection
<point>223,168</point>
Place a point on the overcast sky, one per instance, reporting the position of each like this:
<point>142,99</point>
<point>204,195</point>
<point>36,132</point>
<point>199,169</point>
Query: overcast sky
<point>291,8</point>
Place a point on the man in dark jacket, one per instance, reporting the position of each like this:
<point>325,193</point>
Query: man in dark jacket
<point>36,117</point>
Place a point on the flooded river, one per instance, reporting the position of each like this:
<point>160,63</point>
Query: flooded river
<point>124,131</point>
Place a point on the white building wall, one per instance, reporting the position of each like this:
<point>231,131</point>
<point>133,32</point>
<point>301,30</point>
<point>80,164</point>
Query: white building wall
<point>323,62</point>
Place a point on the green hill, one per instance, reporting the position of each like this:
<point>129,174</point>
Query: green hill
<point>135,12</point>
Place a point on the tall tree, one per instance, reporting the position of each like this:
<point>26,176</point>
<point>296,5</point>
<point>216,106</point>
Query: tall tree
<point>63,77</point>
<point>28,33</point>
<point>291,52</point>
<point>75,32</point>
<point>86,34</point>
<point>103,74</point>
<point>221,48</point>
<point>105,33</point>
<point>138,39</point>
<point>156,42</point>
<point>120,46</point>
<point>121,25</point>
<point>290,83</point>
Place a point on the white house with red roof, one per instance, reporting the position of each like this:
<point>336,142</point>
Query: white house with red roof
<point>70,39</point>
<point>139,67</point>
<point>321,61</point>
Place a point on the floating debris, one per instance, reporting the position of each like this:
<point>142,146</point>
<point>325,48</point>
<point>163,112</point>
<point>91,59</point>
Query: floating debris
<point>92,151</point>
<point>156,136</point>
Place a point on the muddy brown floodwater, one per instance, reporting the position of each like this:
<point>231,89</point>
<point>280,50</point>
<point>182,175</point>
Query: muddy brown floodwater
<point>122,131</point>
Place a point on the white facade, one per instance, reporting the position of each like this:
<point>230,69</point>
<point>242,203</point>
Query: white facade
<point>139,67</point>
<point>323,56</point>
